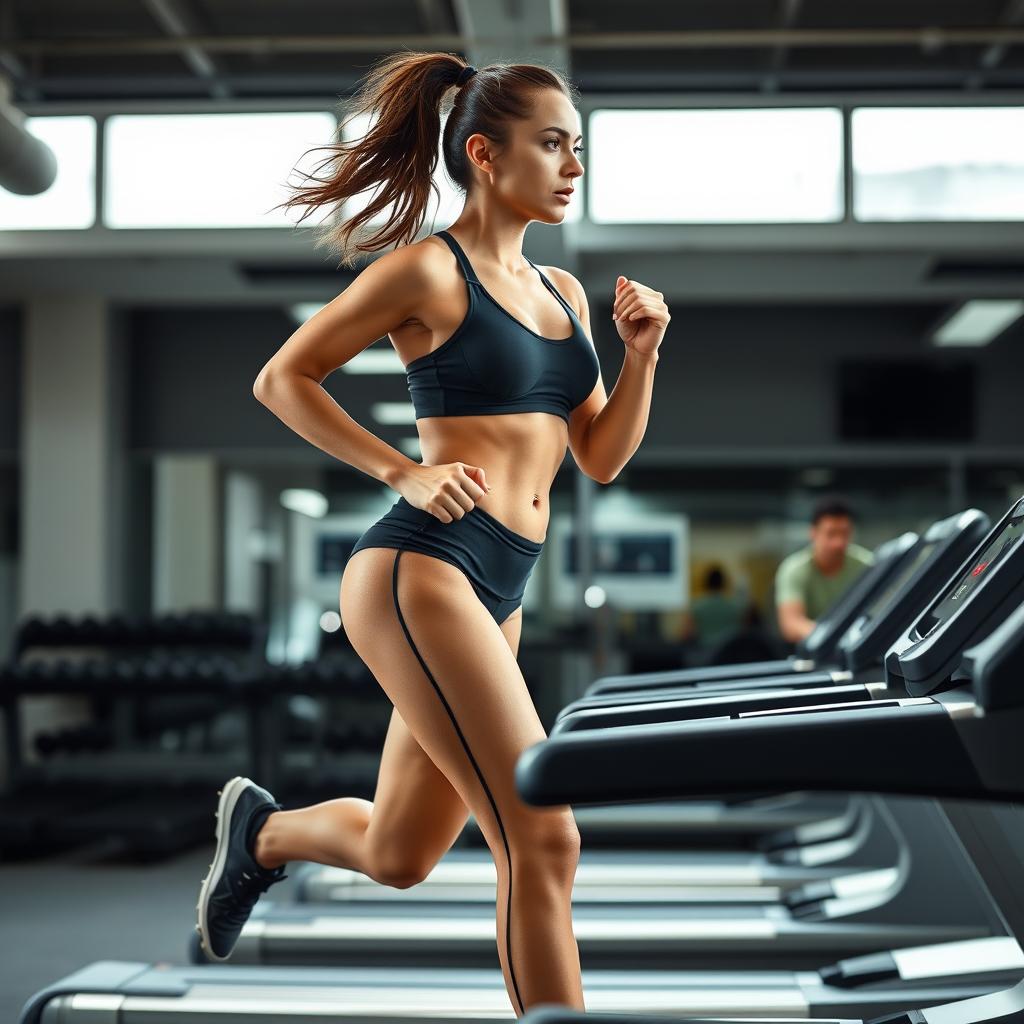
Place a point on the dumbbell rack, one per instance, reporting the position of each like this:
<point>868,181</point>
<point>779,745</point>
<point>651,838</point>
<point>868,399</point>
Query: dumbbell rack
<point>152,796</point>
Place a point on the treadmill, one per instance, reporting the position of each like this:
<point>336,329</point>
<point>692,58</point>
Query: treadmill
<point>934,560</point>
<point>922,669</point>
<point>719,741</point>
<point>687,876</point>
<point>678,876</point>
<point>827,921</point>
<point>120,990</point>
<point>884,983</point>
<point>963,743</point>
<point>817,924</point>
<point>865,987</point>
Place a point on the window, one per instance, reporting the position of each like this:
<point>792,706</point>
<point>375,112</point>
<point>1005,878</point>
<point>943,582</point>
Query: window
<point>938,163</point>
<point>716,166</point>
<point>208,170</point>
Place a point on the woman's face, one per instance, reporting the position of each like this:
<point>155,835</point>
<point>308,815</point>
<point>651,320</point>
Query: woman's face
<point>539,159</point>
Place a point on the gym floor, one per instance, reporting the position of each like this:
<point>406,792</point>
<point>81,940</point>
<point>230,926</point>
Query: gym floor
<point>69,910</point>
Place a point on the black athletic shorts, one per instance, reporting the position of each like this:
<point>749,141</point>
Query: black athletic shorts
<point>497,561</point>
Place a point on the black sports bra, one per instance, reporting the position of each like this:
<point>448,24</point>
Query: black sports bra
<point>495,364</point>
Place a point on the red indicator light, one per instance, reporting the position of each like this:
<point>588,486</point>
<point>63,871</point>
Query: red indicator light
<point>980,569</point>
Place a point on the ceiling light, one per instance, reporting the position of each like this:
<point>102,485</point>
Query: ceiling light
<point>374,360</point>
<point>816,476</point>
<point>303,311</point>
<point>411,447</point>
<point>305,500</point>
<point>977,322</point>
<point>393,412</point>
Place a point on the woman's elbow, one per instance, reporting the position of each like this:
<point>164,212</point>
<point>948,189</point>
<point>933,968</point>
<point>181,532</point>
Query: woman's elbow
<point>261,385</point>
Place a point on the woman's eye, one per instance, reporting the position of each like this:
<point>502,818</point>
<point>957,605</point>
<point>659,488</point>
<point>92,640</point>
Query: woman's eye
<point>578,149</point>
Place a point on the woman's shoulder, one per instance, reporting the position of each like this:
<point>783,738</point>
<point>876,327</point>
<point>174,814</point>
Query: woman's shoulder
<point>569,287</point>
<point>418,265</point>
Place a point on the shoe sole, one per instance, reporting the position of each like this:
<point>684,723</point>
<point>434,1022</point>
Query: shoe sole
<point>228,798</point>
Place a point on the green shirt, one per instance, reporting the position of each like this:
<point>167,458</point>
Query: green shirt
<point>716,617</point>
<point>798,578</point>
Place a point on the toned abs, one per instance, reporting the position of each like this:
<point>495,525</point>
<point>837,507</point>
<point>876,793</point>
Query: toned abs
<point>519,452</point>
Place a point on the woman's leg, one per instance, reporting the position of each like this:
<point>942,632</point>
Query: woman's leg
<point>453,677</point>
<point>396,839</point>
<point>416,815</point>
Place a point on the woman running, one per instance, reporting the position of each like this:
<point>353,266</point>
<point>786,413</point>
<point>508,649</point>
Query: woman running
<point>503,377</point>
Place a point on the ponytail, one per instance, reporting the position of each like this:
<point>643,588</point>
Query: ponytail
<point>400,150</point>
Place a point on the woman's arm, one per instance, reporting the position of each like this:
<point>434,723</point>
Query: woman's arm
<point>616,431</point>
<point>386,293</point>
<point>606,432</point>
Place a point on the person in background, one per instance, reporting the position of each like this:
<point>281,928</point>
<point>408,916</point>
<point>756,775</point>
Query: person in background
<point>715,616</point>
<point>811,580</point>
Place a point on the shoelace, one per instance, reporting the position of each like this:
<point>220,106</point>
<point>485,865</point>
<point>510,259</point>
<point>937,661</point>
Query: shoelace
<point>237,905</point>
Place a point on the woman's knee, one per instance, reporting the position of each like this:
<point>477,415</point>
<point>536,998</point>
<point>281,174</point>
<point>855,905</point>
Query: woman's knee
<point>399,869</point>
<point>396,855</point>
<point>548,840</point>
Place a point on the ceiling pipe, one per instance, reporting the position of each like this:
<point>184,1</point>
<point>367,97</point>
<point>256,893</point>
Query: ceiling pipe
<point>28,166</point>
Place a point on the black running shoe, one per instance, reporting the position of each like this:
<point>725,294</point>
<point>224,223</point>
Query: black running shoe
<point>235,881</point>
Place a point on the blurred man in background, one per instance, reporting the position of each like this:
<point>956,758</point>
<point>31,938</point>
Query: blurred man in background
<point>715,615</point>
<point>809,581</point>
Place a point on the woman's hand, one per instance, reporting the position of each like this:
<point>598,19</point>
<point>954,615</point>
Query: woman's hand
<point>640,315</point>
<point>447,491</point>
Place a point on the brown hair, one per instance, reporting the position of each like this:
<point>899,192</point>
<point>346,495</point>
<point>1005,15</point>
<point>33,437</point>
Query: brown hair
<point>831,505</point>
<point>400,149</point>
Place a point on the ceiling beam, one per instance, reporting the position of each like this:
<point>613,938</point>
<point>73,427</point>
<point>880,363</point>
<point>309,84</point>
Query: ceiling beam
<point>180,25</point>
<point>521,37</point>
<point>992,57</point>
<point>789,12</point>
<point>323,87</point>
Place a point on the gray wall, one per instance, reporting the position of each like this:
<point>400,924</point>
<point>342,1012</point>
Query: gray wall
<point>747,377</point>
<point>767,376</point>
<point>10,376</point>
<point>10,414</point>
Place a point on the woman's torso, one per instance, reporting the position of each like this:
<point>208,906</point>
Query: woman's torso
<point>519,451</point>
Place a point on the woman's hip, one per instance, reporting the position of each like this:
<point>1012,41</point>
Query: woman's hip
<point>494,557</point>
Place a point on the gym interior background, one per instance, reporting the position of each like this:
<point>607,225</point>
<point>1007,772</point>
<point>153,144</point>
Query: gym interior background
<point>830,196</point>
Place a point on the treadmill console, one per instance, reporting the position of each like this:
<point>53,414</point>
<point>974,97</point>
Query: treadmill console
<point>959,594</point>
<point>939,553</point>
<point>988,581</point>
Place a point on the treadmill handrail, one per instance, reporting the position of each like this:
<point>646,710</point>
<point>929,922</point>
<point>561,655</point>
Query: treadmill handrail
<point>700,706</point>
<point>873,749</point>
<point>995,664</point>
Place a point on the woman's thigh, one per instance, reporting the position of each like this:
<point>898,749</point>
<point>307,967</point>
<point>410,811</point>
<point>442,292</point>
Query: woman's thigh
<point>417,813</point>
<point>451,672</point>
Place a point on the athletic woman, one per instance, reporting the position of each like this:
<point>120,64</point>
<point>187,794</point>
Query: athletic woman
<point>503,377</point>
